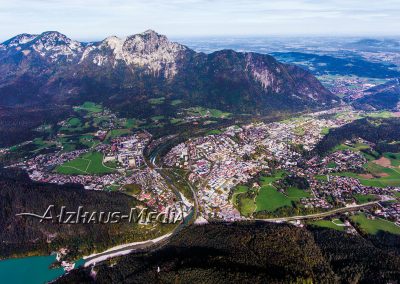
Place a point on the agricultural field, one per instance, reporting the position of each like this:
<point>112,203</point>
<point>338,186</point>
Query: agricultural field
<point>394,159</point>
<point>373,226</point>
<point>384,172</point>
<point>87,164</point>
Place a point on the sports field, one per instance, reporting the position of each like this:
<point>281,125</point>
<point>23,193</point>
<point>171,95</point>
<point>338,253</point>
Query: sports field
<point>87,164</point>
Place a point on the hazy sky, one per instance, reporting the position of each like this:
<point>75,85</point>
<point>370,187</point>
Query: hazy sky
<point>97,19</point>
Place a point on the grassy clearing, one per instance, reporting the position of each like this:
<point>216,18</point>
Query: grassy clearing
<point>73,125</point>
<point>214,132</point>
<point>90,107</point>
<point>380,114</point>
<point>206,112</point>
<point>325,131</point>
<point>373,226</point>
<point>321,178</point>
<point>331,165</point>
<point>87,164</point>
<point>157,101</point>
<point>133,189</point>
<point>270,199</point>
<point>116,133</point>
<point>74,122</point>
<point>132,123</point>
<point>175,120</point>
<point>88,140</point>
<point>334,224</point>
<point>296,194</point>
<point>361,198</point>
<point>238,190</point>
<point>247,206</point>
<point>267,198</point>
<point>176,102</point>
<point>299,131</point>
<point>354,147</point>
<point>157,118</point>
<point>113,187</point>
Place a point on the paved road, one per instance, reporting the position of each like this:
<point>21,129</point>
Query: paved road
<point>319,215</point>
<point>123,250</point>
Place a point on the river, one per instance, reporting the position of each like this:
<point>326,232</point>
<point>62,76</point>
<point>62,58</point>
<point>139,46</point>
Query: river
<point>30,270</point>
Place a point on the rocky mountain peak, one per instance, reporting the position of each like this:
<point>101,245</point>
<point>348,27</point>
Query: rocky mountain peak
<point>18,40</point>
<point>151,42</point>
<point>55,45</point>
<point>149,50</point>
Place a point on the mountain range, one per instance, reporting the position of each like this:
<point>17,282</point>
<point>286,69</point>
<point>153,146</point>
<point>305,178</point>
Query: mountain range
<point>382,97</point>
<point>124,73</point>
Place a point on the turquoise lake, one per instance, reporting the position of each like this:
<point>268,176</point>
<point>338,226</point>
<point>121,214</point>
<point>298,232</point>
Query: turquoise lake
<point>30,270</point>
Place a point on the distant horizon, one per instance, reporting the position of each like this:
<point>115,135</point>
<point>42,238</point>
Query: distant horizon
<point>233,36</point>
<point>96,19</point>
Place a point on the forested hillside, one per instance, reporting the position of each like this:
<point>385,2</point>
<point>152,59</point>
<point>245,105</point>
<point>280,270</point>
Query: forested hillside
<point>252,253</point>
<point>26,235</point>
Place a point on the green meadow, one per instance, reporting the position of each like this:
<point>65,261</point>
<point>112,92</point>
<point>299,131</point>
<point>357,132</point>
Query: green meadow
<point>267,197</point>
<point>87,164</point>
<point>90,107</point>
<point>383,176</point>
<point>334,224</point>
<point>373,226</point>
